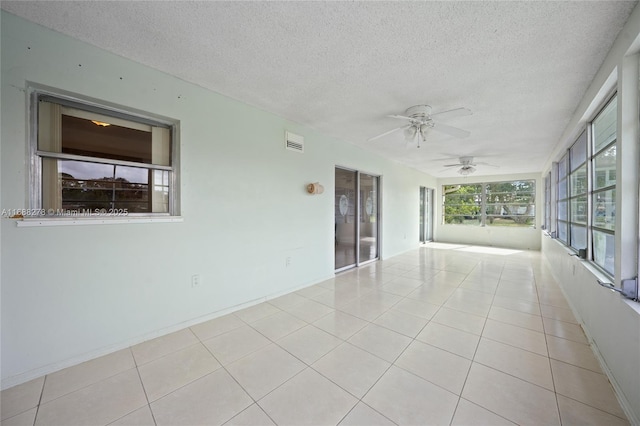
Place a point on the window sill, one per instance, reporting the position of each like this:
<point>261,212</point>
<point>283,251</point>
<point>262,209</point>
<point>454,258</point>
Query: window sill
<point>95,221</point>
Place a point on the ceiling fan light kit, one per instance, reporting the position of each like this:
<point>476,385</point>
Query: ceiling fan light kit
<point>421,121</point>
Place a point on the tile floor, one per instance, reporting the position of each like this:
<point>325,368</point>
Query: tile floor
<point>443,335</point>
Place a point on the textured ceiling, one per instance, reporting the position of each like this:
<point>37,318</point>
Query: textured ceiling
<point>342,67</point>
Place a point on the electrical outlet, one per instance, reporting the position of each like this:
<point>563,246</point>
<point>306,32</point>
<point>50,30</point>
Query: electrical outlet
<point>195,281</point>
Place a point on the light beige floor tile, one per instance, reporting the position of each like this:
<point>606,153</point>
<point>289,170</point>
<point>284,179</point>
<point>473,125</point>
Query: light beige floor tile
<point>365,310</point>
<point>565,330</point>
<point>471,296</point>
<point>401,322</point>
<point>252,416</point>
<point>363,415</point>
<point>556,313</point>
<point>140,417</point>
<point>449,278</point>
<point>307,399</point>
<point>73,378</point>
<point>516,336</point>
<point>517,362</point>
<point>381,298</point>
<point>20,398</point>
<point>26,418</point>
<point>210,400</point>
<point>340,324</point>
<point>469,413</point>
<point>161,346</point>
<point>255,312</point>
<point>264,370</point>
<point>586,386</point>
<point>406,399</point>
<point>278,325</point>
<point>175,370</point>
<point>331,299</point>
<point>399,288</point>
<point>100,403</point>
<point>432,293</point>
<point>416,308</point>
<point>351,368</point>
<point>287,301</point>
<point>217,326</point>
<point>517,305</point>
<point>574,413</point>
<point>309,343</point>
<point>310,311</point>
<point>519,401</point>
<point>380,341</point>
<point>235,344</point>
<point>461,320</point>
<point>487,286</point>
<point>480,309</point>
<point>450,339</point>
<point>574,353</point>
<point>440,367</point>
<point>310,291</point>
<point>521,319</point>
<point>528,294</point>
<point>421,273</point>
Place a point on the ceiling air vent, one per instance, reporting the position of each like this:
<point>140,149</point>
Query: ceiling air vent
<point>293,142</point>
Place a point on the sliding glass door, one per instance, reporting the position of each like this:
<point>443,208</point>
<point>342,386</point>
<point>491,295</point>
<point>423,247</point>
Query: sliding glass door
<point>356,208</point>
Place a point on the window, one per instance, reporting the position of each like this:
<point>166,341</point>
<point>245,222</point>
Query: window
<point>490,204</point>
<point>91,160</point>
<point>603,194</point>
<point>547,202</point>
<point>463,204</point>
<point>562,192</point>
<point>578,193</point>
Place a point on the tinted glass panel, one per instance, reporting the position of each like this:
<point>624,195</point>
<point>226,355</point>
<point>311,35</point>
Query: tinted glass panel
<point>604,126</point>
<point>605,168</point>
<point>578,237</point>
<point>604,209</point>
<point>578,152</point>
<point>604,250</point>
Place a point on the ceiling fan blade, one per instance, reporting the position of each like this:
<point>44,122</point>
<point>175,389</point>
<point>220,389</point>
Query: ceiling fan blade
<point>402,117</point>
<point>487,164</point>
<point>458,112</point>
<point>389,132</point>
<point>453,165</point>
<point>452,131</point>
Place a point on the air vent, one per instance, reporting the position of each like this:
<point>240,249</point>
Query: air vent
<point>293,142</point>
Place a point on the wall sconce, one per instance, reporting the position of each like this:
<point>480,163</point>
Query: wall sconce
<point>315,188</point>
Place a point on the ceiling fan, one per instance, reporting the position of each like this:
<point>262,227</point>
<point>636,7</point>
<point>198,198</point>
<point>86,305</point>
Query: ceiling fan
<point>467,166</point>
<point>421,120</point>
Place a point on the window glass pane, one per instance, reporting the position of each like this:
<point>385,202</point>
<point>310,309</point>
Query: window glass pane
<point>604,209</point>
<point>604,126</point>
<point>562,210</point>
<point>470,219</point>
<point>604,165</point>
<point>578,237</point>
<point>562,168</point>
<point>578,181</point>
<point>562,189</point>
<point>578,152</point>
<point>103,140</point>
<point>604,250</point>
<point>462,204</point>
<point>579,210</point>
<point>87,186</point>
<point>562,231</point>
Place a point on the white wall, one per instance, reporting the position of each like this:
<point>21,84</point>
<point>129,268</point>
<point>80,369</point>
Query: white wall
<point>518,238</point>
<point>611,322</point>
<point>70,293</point>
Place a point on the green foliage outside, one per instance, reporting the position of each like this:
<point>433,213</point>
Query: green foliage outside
<point>506,203</point>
